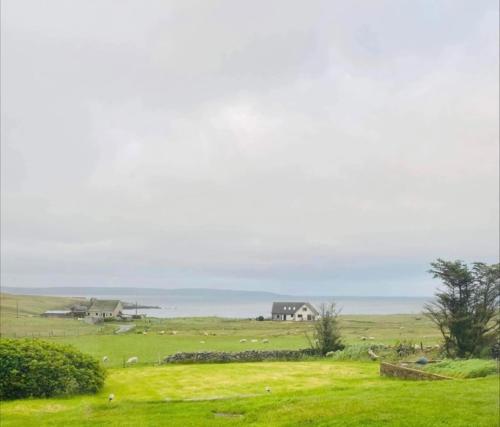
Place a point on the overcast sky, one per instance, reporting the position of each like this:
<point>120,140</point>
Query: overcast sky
<point>304,147</point>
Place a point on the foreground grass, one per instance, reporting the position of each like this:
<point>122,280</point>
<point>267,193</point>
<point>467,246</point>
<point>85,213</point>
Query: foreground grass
<point>320,393</point>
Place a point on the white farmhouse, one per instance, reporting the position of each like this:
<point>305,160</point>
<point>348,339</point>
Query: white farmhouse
<point>298,311</point>
<point>104,309</point>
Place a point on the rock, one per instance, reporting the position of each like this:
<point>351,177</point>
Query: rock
<point>422,361</point>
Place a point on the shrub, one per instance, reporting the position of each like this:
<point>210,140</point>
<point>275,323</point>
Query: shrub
<point>35,368</point>
<point>404,348</point>
<point>326,335</point>
<point>260,318</point>
<point>356,352</point>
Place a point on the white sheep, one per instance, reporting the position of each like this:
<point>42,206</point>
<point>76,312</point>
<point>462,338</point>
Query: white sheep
<point>371,338</point>
<point>372,355</point>
<point>105,359</point>
<point>330,354</point>
<point>202,342</point>
<point>162,332</point>
<point>243,340</point>
<point>205,333</point>
<point>255,340</point>
<point>132,360</point>
<point>265,340</point>
<point>268,389</point>
<point>174,332</point>
<point>111,397</point>
<point>144,333</point>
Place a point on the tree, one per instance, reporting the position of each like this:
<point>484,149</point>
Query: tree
<point>326,336</point>
<point>466,308</point>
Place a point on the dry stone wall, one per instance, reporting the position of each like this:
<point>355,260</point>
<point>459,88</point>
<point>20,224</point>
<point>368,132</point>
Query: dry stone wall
<point>242,356</point>
<point>390,370</point>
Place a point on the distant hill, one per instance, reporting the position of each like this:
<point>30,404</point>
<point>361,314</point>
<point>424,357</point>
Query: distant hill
<point>191,293</point>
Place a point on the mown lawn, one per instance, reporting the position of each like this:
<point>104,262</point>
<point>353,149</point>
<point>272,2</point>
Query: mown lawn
<point>319,393</point>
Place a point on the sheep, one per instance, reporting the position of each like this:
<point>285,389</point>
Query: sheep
<point>372,355</point>
<point>174,332</point>
<point>144,333</point>
<point>111,397</point>
<point>105,359</point>
<point>255,340</point>
<point>205,333</point>
<point>132,360</point>
<point>371,338</point>
<point>243,340</point>
<point>265,340</point>
<point>202,342</point>
<point>363,338</point>
<point>330,354</point>
<point>162,332</point>
<point>268,389</point>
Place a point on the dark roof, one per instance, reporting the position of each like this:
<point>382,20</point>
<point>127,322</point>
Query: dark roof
<point>290,307</point>
<point>104,304</point>
<point>79,307</point>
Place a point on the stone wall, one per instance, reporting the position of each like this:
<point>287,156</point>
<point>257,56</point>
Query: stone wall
<point>390,370</point>
<point>242,356</point>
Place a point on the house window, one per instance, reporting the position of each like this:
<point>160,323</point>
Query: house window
<point>304,308</point>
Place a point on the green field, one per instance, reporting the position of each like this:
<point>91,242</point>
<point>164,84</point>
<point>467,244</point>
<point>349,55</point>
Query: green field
<point>313,392</point>
<point>193,334</point>
<point>319,393</point>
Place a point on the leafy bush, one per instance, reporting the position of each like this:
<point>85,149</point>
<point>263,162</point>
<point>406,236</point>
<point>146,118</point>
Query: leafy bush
<point>472,368</point>
<point>404,348</point>
<point>356,352</point>
<point>35,368</point>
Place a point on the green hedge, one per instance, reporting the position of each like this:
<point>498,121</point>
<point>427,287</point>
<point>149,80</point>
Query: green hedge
<point>35,368</point>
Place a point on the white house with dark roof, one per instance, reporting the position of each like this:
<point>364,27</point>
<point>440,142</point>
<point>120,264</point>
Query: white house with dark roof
<point>297,311</point>
<point>104,309</point>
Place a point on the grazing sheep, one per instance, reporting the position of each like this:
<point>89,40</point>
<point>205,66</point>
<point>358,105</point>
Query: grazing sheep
<point>105,359</point>
<point>372,355</point>
<point>111,397</point>
<point>255,340</point>
<point>132,360</point>
<point>265,340</point>
<point>330,354</point>
<point>174,332</point>
<point>205,333</point>
<point>363,338</point>
<point>162,332</point>
<point>243,340</point>
<point>144,333</point>
<point>268,389</point>
<point>202,342</point>
<point>371,338</point>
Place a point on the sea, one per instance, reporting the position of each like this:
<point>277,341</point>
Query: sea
<point>252,309</point>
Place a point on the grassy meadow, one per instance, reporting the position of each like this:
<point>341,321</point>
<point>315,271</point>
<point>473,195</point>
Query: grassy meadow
<point>319,393</point>
<point>312,392</point>
<point>152,339</point>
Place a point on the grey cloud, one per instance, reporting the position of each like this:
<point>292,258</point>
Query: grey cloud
<point>333,146</point>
